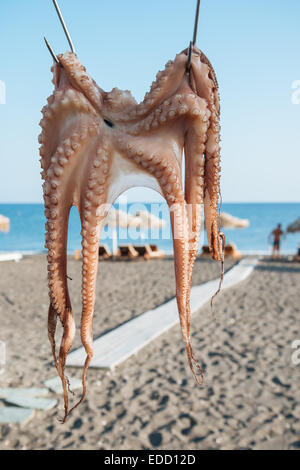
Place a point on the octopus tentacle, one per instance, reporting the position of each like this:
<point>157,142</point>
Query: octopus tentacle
<point>90,243</point>
<point>168,176</point>
<point>206,85</point>
<point>194,147</point>
<point>52,322</point>
<point>61,147</point>
<point>56,242</point>
<point>181,257</point>
<point>167,112</point>
<point>59,297</point>
<point>79,78</point>
<point>57,212</point>
<point>93,211</point>
<point>68,324</point>
<point>194,190</point>
<point>166,83</point>
<point>212,186</point>
<point>194,176</point>
<point>212,189</point>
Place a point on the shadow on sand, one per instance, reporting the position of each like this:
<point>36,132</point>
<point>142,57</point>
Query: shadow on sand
<point>283,264</point>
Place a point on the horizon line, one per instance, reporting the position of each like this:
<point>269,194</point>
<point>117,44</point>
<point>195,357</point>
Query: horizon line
<point>163,201</point>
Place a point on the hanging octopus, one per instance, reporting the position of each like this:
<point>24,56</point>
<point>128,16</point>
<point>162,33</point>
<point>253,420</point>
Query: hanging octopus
<point>95,145</point>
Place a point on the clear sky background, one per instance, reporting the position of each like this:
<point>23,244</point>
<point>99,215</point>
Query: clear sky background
<point>254,46</point>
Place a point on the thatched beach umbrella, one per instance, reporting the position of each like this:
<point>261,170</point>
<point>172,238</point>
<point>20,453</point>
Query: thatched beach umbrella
<point>145,219</point>
<point>229,221</point>
<point>294,227</point>
<point>4,224</point>
<point>141,220</point>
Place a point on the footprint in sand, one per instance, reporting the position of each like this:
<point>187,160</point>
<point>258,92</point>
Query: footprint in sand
<point>155,439</point>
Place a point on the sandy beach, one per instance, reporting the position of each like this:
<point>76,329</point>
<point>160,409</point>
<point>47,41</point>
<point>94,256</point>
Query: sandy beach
<point>251,397</point>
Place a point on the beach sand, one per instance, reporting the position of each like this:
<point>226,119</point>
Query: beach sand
<point>251,397</point>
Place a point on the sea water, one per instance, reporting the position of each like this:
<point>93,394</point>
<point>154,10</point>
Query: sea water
<point>27,227</point>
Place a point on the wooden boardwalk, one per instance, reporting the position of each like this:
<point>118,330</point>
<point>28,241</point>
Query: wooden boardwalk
<point>115,347</point>
<point>11,257</point>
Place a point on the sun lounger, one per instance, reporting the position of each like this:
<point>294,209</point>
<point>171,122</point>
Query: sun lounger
<point>156,252</point>
<point>77,255</point>
<point>127,252</point>
<point>142,251</point>
<point>148,251</point>
<point>230,251</point>
<point>205,252</point>
<point>297,257</point>
<point>104,252</point>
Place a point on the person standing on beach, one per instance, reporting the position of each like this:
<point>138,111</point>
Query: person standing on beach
<point>276,235</point>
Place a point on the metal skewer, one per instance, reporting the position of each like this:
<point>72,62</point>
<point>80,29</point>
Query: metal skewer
<point>64,26</point>
<point>65,31</point>
<point>196,22</point>
<point>192,43</point>
<point>51,51</point>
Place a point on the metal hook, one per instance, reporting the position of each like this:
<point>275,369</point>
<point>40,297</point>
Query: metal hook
<point>66,33</point>
<point>192,43</point>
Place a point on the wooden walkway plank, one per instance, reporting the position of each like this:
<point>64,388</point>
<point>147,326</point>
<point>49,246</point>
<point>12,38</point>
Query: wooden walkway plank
<point>28,392</point>
<point>55,385</point>
<point>115,347</point>
<point>14,414</point>
<point>31,402</point>
<point>11,257</point>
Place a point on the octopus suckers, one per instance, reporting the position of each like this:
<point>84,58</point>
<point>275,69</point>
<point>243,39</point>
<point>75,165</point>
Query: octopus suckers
<point>96,163</point>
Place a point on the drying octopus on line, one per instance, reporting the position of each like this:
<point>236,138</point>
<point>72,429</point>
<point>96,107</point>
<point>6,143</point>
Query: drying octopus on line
<point>95,145</point>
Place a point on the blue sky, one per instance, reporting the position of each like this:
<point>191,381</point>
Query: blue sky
<point>253,45</point>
